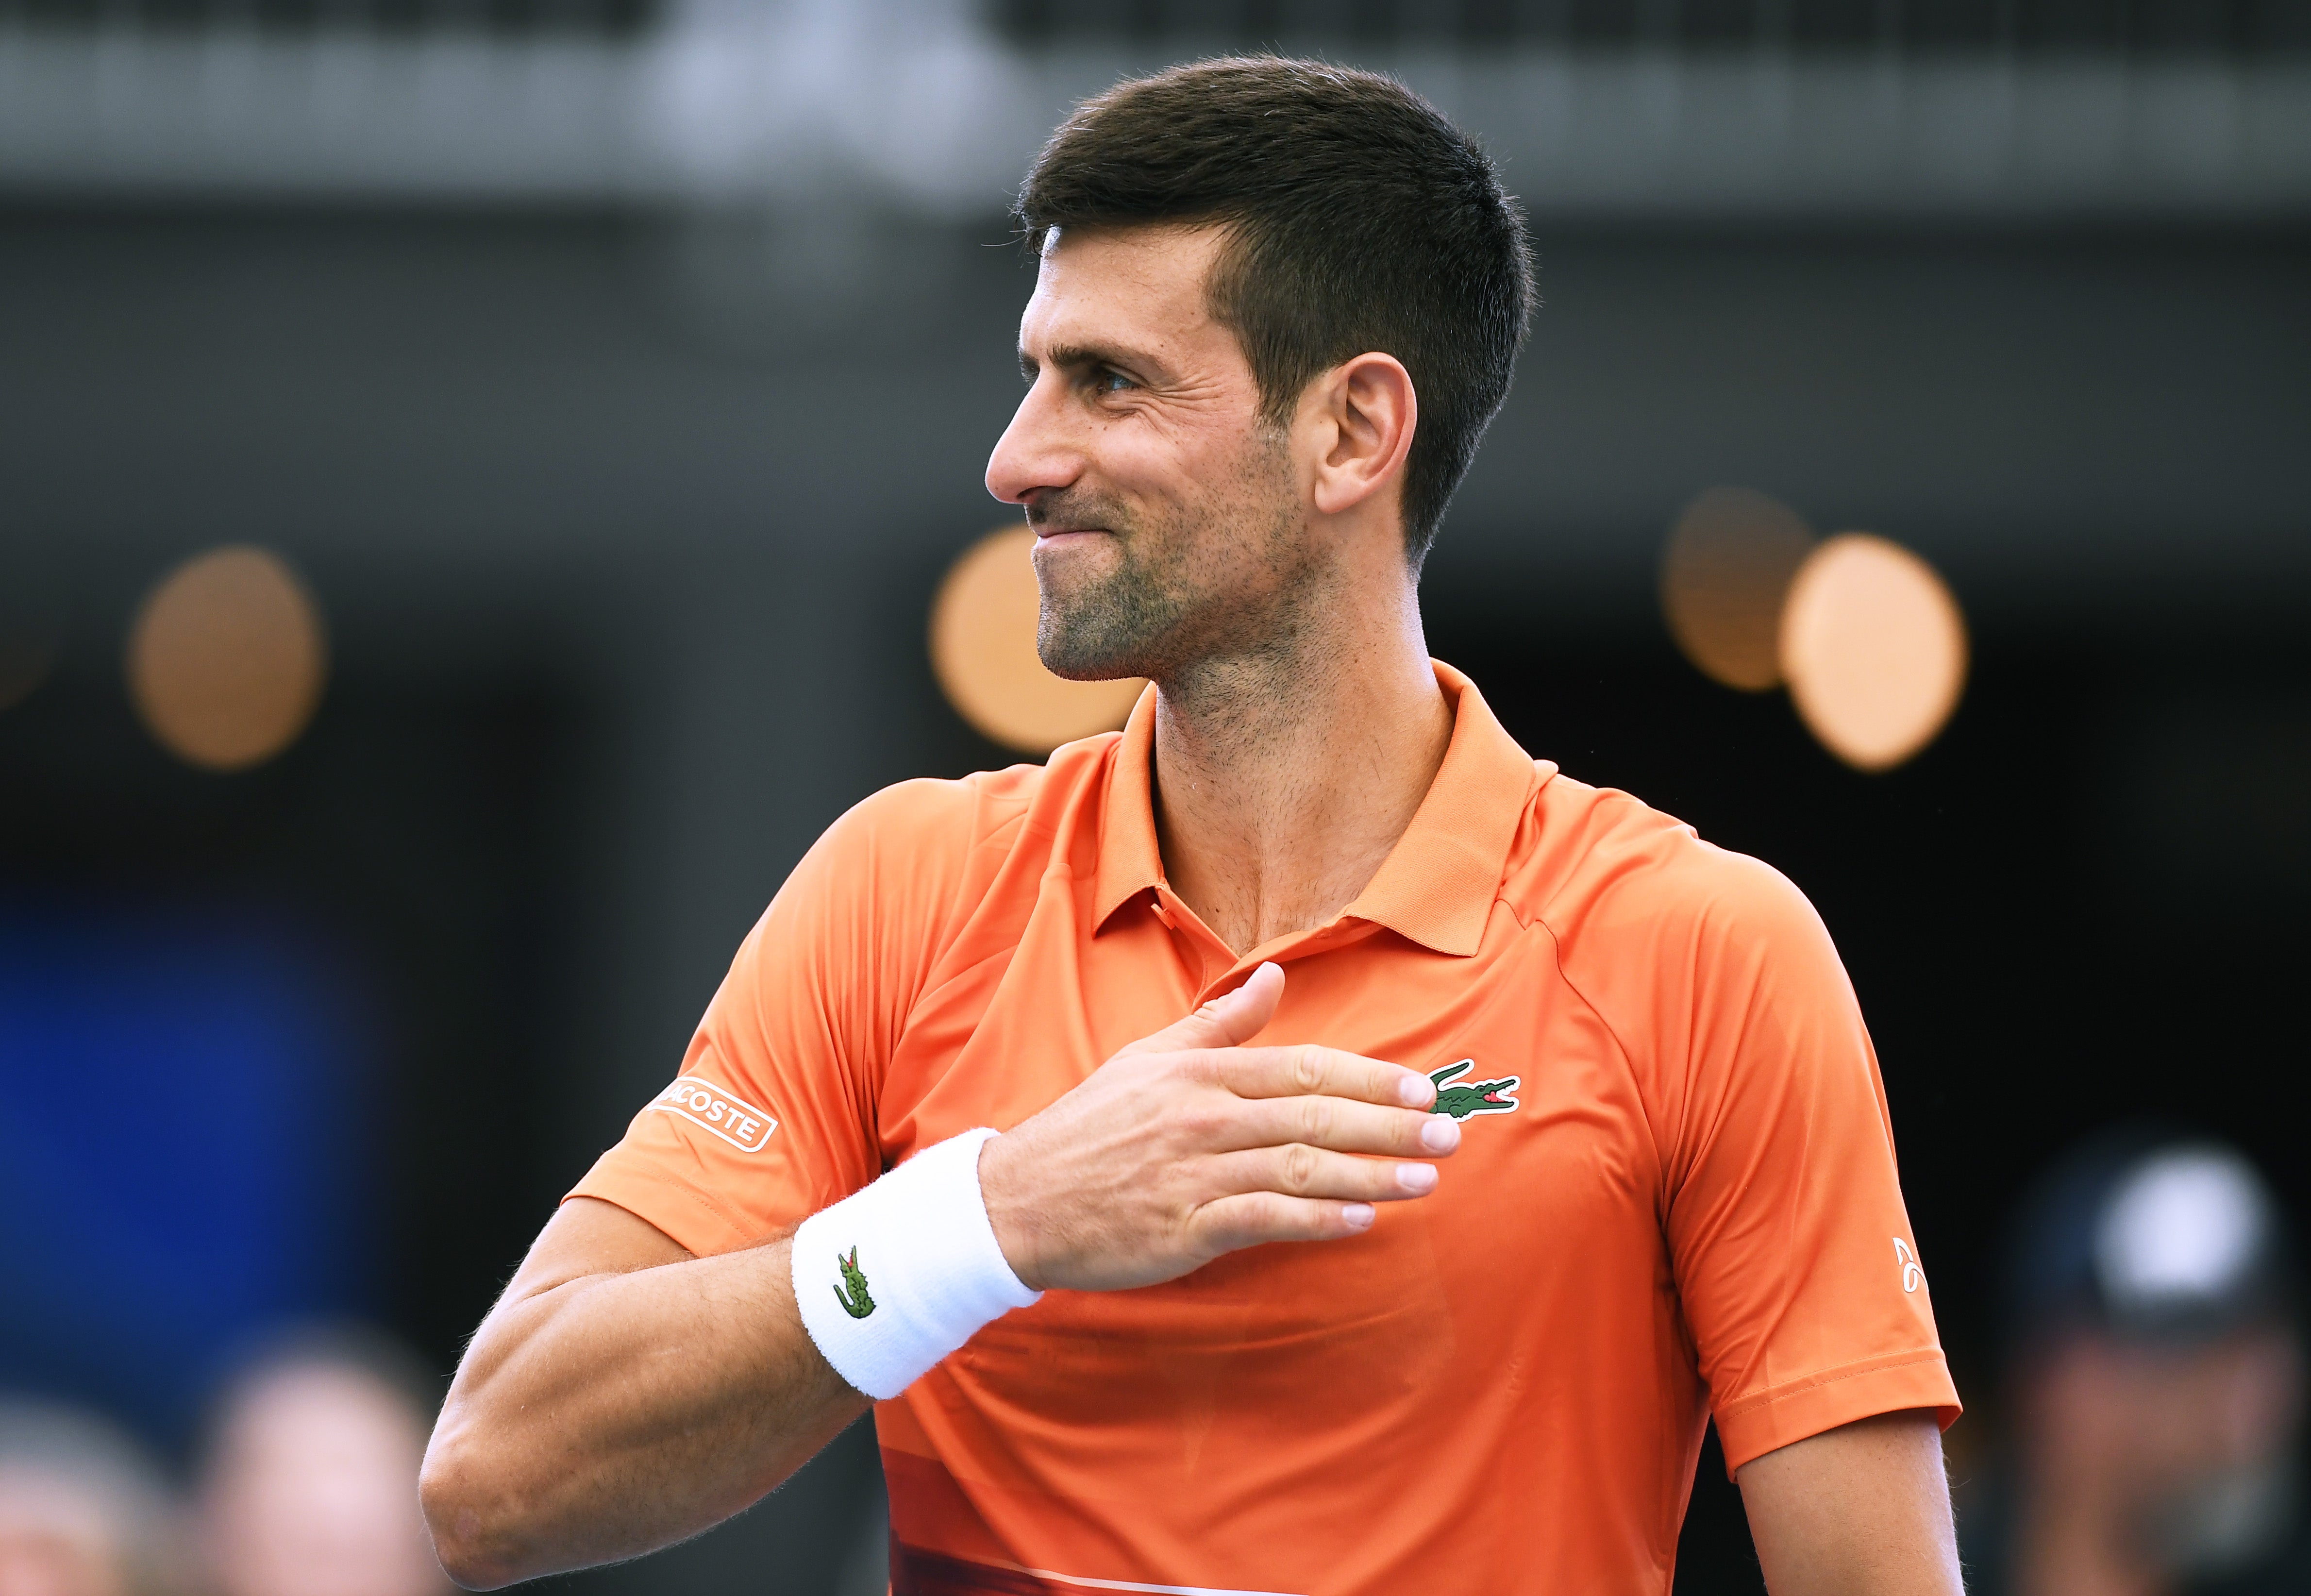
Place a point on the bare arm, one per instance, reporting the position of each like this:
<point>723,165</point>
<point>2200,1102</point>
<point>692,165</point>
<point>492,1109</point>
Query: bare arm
<point>622,1396</point>
<point>1862,1510</point>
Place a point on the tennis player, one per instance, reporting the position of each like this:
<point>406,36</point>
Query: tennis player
<point>1301,1145</point>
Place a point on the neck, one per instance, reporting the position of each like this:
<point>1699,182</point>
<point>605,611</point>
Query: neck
<point>1285,774</point>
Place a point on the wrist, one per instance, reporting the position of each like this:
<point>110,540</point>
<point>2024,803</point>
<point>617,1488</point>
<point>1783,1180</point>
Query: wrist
<point>1012,1221</point>
<point>894,1278</point>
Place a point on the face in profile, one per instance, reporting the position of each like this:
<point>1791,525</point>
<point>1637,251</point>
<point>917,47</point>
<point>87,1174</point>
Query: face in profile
<point>311,1489</point>
<point>1166,507</point>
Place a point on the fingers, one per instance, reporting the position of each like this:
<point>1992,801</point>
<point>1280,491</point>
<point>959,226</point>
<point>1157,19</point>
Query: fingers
<point>1300,1194</point>
<point>1305,1172</point>
<point>1252,1217</point>
<point>1320,1071</point>
<point>1225,1021</point>
<point>1341,1124</point>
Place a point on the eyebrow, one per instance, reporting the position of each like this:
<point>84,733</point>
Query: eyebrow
<point>1075,356</point>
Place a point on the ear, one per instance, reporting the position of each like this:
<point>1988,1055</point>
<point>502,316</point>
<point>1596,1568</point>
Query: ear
<point>1363,412</point>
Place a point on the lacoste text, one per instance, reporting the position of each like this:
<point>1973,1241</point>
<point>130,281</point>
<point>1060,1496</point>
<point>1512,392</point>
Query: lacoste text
<point>741,1124</point>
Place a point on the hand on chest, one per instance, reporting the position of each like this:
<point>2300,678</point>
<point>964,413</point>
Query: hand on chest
<point>1517,1060</point>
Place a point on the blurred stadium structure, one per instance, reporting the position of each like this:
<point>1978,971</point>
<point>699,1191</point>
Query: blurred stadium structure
<point>1644,107</point>
<point>616,378</point>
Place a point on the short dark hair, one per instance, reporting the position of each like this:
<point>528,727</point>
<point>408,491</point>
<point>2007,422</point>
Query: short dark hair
<point>1360,220</point>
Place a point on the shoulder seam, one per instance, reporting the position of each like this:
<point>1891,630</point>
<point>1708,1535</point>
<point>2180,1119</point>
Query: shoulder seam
<point>1628,1056</point>
<point>952,921</point>
<point>1620,1044</point>
<point>1557,958</point>
<point>957,913</point>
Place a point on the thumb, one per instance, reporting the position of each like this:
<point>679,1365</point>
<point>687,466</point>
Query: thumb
<point>1226,1021</point>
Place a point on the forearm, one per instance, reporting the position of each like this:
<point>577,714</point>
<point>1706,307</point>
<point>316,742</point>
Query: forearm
<point>610,1414</point>
<point>623,1394</point>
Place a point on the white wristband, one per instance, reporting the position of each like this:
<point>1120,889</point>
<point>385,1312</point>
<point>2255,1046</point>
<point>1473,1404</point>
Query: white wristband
<point>892,1279</point>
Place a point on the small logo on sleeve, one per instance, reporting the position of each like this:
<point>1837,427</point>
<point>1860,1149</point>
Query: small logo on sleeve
<point>1913,1276</point>
<point>741,1124</point>
<point>1472,1097</point>
<point>852,1293</point>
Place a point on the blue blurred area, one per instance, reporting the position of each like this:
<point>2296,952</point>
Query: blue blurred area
<point>185,1143</point>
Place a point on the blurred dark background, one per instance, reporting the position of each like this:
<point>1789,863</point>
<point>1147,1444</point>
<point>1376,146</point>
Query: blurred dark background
<point>618,378</point>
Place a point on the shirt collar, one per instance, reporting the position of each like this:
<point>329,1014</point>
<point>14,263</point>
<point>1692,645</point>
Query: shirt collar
<point>1437,885</point>
<point>1130,863</point>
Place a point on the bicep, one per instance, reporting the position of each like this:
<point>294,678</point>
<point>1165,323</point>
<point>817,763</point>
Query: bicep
<point>1863,1508</point>
<point>776,1112</point>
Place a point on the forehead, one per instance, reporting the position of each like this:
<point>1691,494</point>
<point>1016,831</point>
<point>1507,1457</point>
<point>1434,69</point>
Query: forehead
<point>1140,286</point>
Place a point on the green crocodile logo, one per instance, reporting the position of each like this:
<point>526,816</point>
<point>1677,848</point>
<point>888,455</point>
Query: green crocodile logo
<point>1472,1097</point>
<point>857,1303</point>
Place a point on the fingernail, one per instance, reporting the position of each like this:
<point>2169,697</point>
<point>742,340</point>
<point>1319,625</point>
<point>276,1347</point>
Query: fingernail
<point>1420,1179</point>
<point>1358,1216</point>
<point>1415,1091</point>
<point>1441,1134</point>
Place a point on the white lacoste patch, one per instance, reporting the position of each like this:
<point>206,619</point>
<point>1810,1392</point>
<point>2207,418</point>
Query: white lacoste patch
<point>703,1103</point>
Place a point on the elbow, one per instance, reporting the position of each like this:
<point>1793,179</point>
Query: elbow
<point>470,1527</point>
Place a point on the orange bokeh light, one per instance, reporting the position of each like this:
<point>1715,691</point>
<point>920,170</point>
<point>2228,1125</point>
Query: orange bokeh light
<point>1874,648</point>
<point>1725,572</point>
<point>983,643</point>
<point>227,659</point>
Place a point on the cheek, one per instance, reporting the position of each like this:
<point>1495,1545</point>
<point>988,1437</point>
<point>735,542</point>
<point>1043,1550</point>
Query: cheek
<point>1209,438</point>
<point>1150,454</point>
<point>1160,489</point>
<point>1203,493</point>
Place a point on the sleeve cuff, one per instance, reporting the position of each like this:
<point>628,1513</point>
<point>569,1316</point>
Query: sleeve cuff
<point>690,1216</point>
<point>1773,1418</point>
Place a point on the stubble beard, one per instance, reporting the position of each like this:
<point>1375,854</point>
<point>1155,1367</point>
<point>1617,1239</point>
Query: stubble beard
<point>1213,580</point>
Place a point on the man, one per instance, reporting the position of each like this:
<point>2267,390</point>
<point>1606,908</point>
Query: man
<point>83,1512</point>
<point>304,1475</point>
<point>1277,304</point>
<point>2155,1383</point>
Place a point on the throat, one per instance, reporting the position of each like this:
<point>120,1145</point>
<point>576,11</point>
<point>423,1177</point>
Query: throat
<point>1245,914</point>
<point>1273,815</point>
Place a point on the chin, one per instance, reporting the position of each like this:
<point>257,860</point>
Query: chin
<point>1075,560</point>
<point>1071,672</point>
<point>1077,653</point>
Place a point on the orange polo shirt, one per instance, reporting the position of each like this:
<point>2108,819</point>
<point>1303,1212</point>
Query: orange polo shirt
<point>1675,1194</point>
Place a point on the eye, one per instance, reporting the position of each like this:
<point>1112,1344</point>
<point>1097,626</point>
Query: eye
<point>1107,380</point>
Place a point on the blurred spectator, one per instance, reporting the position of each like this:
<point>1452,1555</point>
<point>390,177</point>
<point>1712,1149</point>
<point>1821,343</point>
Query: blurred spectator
<point>309,1481</point>
<point>83,1511</point>
<point>2155,1384</point>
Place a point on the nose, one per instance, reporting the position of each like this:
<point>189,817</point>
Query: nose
<point>1037,451</point>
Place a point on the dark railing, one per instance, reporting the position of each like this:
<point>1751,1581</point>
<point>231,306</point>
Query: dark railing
<point>2050,26</point>
<point>2161,27</point>
<point>588,17</point>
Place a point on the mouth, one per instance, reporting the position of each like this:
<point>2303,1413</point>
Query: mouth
<point>1059,536</point>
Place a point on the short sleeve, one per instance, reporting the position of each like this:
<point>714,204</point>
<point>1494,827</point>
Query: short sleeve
<point>773,1115</point>
<point>1791,1251</point>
